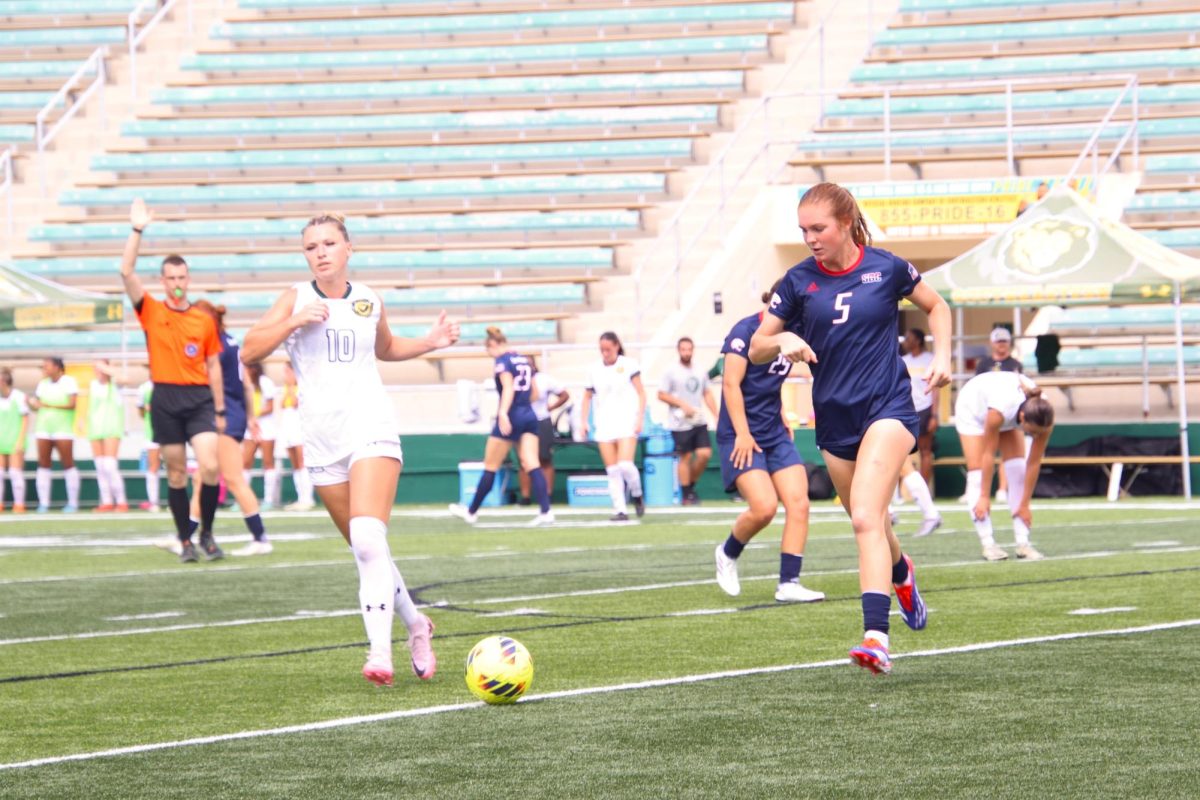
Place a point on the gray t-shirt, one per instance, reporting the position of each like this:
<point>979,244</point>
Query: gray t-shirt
<point>686,384</point>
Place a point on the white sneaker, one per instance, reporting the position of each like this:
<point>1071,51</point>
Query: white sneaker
<point>254,549</point>
<point>928,526</point>
<point>463,513</point>
<point>299,506</point>
<point>172,544</point>
<point>793,592</point>
<point>1001,496</point>
<point>727,573</point>
<point>994,552</point>
<point>1028,552</point>
<point>543,519</point>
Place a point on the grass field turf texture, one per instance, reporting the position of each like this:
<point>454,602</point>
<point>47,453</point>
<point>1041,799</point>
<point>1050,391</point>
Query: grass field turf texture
<point>109,643</point>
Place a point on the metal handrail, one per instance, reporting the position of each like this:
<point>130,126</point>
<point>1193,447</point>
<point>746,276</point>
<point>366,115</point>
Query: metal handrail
<point>1093,144</point>
<point>136,36</point>
<point>6,187</point>
<point>44,135</point>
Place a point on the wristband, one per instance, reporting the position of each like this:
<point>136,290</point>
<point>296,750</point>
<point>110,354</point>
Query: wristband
<point>138,231</point>
<point>220,412</point>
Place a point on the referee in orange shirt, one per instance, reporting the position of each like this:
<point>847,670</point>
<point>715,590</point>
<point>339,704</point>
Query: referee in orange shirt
<point>189,396</point>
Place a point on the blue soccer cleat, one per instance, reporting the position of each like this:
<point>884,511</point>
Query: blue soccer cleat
<point>872,655</point>
<point>912,607</point>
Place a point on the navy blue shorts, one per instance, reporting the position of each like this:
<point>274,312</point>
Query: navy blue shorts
<point>523,421</point>
<point>774,457</point>
<point>843,438</point>
<point>235,419</point>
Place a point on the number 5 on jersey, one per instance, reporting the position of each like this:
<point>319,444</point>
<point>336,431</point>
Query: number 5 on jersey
<point>841,304</point>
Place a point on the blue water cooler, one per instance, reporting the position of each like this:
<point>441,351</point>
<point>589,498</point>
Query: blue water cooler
<point>660,481</point>
<point>469,473</point>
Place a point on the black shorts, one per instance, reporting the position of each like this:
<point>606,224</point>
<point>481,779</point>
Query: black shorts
<point>690,441</point>
<point>545,432</point>
<point>924,417</point>
<point>180,412</point>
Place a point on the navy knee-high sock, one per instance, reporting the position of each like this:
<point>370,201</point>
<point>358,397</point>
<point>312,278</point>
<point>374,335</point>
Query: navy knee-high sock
<point>537,480</point>
<point>876,607</point>
<point>177,501</point>
<point>481,490</point>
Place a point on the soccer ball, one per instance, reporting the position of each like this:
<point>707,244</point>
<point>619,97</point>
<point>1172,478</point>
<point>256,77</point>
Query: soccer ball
<point>499,670</point>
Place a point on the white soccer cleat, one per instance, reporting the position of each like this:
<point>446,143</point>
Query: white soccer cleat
<point>172,545</point>
<point>793,592</point>
<point>542,519</point>
<point>727,573</point>
<point>299,506</point>
<point>1001,496</point>
<point>463,513</point>
<point>1029,553</point>
<point>254,549</point>
<point>994,552</point>
<point>928,526</point>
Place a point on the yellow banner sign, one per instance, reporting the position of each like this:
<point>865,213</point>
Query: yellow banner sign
<point>55,316</point>
<point>965,209</point>
<point>1032,294</point>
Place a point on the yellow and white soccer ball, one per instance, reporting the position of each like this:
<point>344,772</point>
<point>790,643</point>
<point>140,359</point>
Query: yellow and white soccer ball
<point>499,670</point>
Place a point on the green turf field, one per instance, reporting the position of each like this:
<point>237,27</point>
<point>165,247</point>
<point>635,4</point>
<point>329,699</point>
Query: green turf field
<point>1070,677</point>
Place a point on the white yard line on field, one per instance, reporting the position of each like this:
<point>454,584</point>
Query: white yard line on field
<point>345,722</point>
<point>608,590</point>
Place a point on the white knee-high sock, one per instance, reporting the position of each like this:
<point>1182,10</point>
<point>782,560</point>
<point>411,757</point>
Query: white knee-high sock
<point>118,483</point>
<point>1014,469</point>
<point>983,528</point>
<point>304,487</point>
<point>919,490</point>
<point>270,485</point>
<point>152,487</point>
<point>631,477</point>
<point>42,480</point>
<point>17,477</point>
<point>376,585</point>
<point>73,481</point>
<point>103,482</point>
<point>404,602</point>
<point>616,488</point>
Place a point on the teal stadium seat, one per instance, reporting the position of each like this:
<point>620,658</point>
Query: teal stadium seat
<point>1107,358</point>
<point>624,84</point>
<point>1179,60</point>
<point>32,101</point>
<point>397,156</point>
<point>918,6</point>
<point>1179,238</point>
<point>1119,319</point>
<point>32,70</point>
<point>585,259</point>
<point>1164,202</point>
<point>13,134</point>
<point>1061,101</point>
<point>449,24</point>
<point>424,60</point>
<point>40,38</point>
<point>450,189</point>
<point>64,8</point>
<point>542,223</point>
<point>1186,163</point>
<point>1086,27</point>
<point>385,124</point>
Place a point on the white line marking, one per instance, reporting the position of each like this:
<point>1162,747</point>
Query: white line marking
<point>158,615</point>
<point>53,542</point>
<point>516,612</point>
<point>302,615</point>
<point>1087,612</point>
<point>1163,543</point>
<point>702,612</point>
<point>345,722</point>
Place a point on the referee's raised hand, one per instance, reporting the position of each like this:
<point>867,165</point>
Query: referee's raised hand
<point>139,215</point>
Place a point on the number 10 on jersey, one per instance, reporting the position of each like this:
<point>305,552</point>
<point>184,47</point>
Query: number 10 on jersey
<point>341,344</point>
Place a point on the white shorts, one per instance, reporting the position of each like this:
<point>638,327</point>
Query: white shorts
<point>612,433</point>
<point>55,437</point>
<point>267,429</point>
<point>339,471</point>
<point>291,434</point>
<point>968,422</point>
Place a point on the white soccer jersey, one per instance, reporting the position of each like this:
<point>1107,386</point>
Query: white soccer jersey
<point>999,390</point>
<point>614,400</point>
<point>343,403</point>
<point>546,386</point>
<point>916,372</point>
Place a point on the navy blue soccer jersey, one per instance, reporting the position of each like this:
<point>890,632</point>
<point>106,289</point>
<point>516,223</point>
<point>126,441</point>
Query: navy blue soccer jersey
<point>231,370</point>
<point>850,319</point>
<point>522,376</point>
<point>760,388</point>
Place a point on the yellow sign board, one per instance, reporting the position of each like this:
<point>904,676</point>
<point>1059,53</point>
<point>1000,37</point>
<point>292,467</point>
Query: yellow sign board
<point>1032,294</point>
<point>950,209</point>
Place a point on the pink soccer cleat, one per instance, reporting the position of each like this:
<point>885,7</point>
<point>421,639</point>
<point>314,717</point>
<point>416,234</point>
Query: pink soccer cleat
<point>420,644</point>
<point>378,669</point>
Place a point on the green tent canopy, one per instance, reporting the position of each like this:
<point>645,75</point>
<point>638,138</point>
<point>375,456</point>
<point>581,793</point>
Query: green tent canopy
<point>28,303</point>
<point>1061,252</point>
